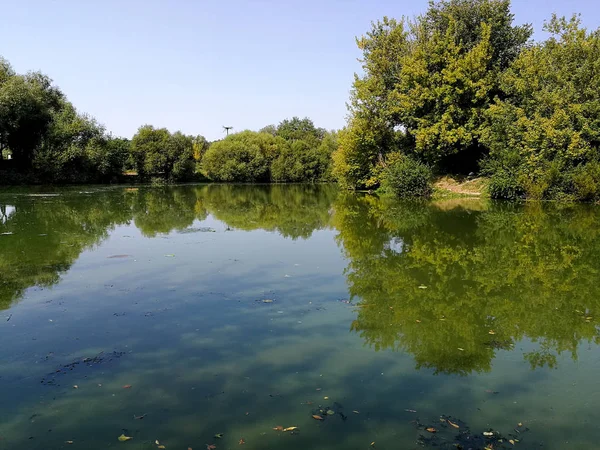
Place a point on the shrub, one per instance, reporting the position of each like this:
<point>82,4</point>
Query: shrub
<point>407,177</point>
<point>505,185</point>
<point>245,156</point>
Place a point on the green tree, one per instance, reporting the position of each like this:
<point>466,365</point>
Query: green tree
<point>27,105</point>
<point>296,129</point>
<point>425,87</point>
<point>544,136</point>
<point>157,152</point>
<point>244,156</point>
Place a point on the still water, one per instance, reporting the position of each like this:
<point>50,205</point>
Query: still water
<point>214,316</point>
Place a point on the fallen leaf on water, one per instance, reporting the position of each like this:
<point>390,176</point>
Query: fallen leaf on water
<point>418,321</point>
<point>325,398</point>
<point>452,424</point>
<point>210,446</point>
<point>267,300</point>
<point>356,412</point>
<point>373,444</point>
<point>488,433</point>
<point>170,255</point>
<point>318,389</point>
<point>491,332</point>
<point>241,442</point>
<point>330,412</point>
<point>156,442</point>
<point>219,435</point>
<point>75,387</point>
<point>290,428</point>
<point>139,417</point>
<point>68,442</point>
<point>161,447</point>
<point>317,417</point>
<point>278,428</point>
<point>511,441</point>
<point>124,438</point>
<point>127,386</point>
<point>431,430</point>
<point>422,287</point>
<point>519,424</point>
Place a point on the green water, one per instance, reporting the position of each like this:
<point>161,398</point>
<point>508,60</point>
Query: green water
<point>407,313</point>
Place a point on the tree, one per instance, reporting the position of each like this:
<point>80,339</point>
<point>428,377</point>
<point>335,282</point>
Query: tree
<point>27,105</point>
<point>296,129</point>
<point>157,152</point>
<point>425,87</point>
<point>544,135</point>
<point>245,156</point>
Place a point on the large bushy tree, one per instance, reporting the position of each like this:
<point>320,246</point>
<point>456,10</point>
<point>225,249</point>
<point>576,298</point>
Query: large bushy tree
<point>158,153</point>
<point>425,86</point>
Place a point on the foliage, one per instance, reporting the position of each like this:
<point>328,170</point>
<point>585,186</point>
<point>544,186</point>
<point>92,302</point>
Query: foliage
<point>544,136</point>
<point>425,87</point>
<point>27,106</point>
<point>157,152</point>
<point>245,156</point>
<point>296,129</point>
<point>408,177</point>
<point>454,286</point>
<point>301,161</point>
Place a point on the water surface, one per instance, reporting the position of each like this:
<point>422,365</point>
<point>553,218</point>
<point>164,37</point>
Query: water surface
<point>233,310</point>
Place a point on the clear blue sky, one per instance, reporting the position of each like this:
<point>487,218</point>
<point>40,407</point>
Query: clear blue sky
<point>195,65</point>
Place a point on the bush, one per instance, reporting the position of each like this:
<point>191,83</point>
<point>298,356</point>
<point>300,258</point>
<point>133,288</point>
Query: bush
<point>245,156</point>
<point>505,185</point>
<point>407,177</point>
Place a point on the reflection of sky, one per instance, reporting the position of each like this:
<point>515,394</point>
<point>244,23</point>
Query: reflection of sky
<point>5,212</point>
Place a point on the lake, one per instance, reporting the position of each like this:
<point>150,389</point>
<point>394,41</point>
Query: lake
<point>218,316</point>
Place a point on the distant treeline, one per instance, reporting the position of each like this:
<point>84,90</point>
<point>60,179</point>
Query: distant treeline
<point>44,139</point>
<point>459,89</point>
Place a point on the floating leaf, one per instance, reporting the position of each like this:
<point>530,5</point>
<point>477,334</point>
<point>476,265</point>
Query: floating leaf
<point>127,386</point>
<point>317,417</point>
<point>356,412</point>
<point>373,444</point>
<point>431,430</point>
<point>418,321</point>
<point>124,438</point>
<point>68,442</point>
<point>210,446</point>
<point>242,442</point>
<point>491,332</point>
<point>488,433</point>
<point>75,387</point>
<point>325,398</point>
<point>452,424</point>
<point>161,447</point>
<point>290,428</point>
<point>219,435</point>
<point>278,428</point>
<point>267,300</point>
<point>519,424</point>
<point>139,417</point>
<point>330,412</point>
<point>422,287</point>
<point>511,441</point>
